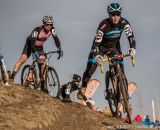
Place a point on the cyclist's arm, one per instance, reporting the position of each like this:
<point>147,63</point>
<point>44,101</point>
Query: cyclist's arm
<point>33,37</point>
<point>100,34</point>
<point>56,39</point>
<point>74,88</point>
<point>129,34</point>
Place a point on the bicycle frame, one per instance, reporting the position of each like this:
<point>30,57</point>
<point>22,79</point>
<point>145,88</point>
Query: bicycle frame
<point>119,98</point>
<point>45,69</point>
<point>46,80</point>
<point>46,62</point>
<point>116,65</point>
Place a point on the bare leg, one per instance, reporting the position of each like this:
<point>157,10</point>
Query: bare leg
<point>18,65</point>
<point>41,73</point>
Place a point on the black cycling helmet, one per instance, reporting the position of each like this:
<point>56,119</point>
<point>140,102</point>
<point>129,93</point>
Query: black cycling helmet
<point>114,7</point>
<point>76,78</point>
<point>47,19</point>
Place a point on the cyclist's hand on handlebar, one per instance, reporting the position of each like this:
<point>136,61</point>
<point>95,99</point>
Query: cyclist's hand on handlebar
<point>132,51</point>
<point>36,55</point>
<point>60,53</point>
<point>98,59</point>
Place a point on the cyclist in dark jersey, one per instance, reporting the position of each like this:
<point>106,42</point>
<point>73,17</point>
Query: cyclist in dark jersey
<point>35,41</point>
<point>107,40</point>
<point>69,87</point>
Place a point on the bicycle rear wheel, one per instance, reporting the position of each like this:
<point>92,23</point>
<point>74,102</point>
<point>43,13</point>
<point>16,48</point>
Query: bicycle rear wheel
<point>112,101</point>
<point>52,83</point>
<point>124,90</point>
<point>28,77</point>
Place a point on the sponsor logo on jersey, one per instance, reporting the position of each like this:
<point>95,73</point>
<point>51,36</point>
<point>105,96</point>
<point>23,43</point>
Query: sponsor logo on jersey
<point>53,31</point>
<point>99,36</point>
<point>128,30</point>
<point>113,33</point>
<point>34,34</point>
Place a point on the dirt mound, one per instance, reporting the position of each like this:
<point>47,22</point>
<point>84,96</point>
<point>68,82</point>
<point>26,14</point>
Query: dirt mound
<point>25,109</point>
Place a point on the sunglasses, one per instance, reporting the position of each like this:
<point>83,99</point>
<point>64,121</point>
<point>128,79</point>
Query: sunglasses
<point>115,13</point>
<point>49,25</point>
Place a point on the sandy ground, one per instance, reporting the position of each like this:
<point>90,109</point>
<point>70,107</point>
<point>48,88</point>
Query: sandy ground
<point>25,109</point>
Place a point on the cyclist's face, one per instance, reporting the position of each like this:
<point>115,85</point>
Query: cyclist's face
<point>115,18</point>
<point>48,26</point>
<point>77,83</point>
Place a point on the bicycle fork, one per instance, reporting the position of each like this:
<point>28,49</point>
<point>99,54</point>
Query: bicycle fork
<point>112,77</point>
<point>121,103</point>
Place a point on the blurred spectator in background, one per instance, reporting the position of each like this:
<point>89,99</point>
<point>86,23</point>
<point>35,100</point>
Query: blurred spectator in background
<point>147,120</point>
<point>138,118</point>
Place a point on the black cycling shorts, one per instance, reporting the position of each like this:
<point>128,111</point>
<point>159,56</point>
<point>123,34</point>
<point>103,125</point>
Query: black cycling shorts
<point>27,49</point>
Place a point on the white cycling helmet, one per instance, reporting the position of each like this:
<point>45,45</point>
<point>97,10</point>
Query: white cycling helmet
<point>47,19</point>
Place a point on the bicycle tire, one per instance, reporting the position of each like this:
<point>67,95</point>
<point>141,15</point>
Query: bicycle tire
<point>112,101</point>
<point>51,87</point>
<point>124,91</point>
<point>31,84</point>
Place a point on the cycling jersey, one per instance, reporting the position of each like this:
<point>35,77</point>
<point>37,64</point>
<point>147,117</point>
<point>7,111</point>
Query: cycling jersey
<point>37,38</point>
<point>108,35</point>
<point>107,40</point>
<point>68,88</point>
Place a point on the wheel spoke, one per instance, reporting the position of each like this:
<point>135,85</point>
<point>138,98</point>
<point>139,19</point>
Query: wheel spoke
<point>26,80</point>
<point>52,82</point>
<point>124,92</point>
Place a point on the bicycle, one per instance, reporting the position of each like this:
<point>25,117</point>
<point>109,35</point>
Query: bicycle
<point>30,78</point>
<point>117,95</point>
<point>4,72</point>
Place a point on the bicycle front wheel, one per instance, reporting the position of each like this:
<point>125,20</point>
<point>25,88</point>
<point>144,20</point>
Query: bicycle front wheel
<point>52,83</point>
<point>112,101</point>
<point>124,91</point>
<point>28,77</point>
